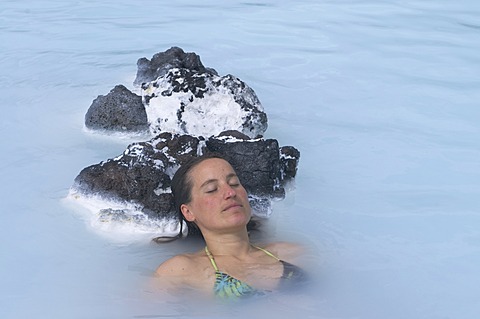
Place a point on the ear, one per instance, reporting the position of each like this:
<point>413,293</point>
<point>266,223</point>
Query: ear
<point>187,213</point>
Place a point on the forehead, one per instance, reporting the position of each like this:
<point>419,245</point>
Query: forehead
<point>212,168</point>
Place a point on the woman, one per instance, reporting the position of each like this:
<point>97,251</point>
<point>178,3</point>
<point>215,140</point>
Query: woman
<point>208,193</point>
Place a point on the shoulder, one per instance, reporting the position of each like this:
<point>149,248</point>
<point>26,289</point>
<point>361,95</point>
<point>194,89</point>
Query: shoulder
<point>180,274</point>
<point>185,270</point>
<point>180,265</point>
<point>286,251</point>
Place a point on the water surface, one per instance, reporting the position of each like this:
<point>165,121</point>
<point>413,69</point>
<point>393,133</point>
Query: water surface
<point>379,96</point>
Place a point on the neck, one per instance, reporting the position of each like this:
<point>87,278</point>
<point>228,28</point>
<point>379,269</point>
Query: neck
<point>237,243</point>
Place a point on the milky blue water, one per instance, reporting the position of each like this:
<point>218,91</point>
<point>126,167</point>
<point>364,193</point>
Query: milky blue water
<point>381,98</point>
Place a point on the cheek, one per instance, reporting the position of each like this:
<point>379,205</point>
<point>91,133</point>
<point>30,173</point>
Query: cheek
<point>205,205</point>
<point>208,203</point>
<point>243,193</point>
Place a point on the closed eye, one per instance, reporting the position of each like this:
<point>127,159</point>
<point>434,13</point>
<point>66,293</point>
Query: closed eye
<point>233,180</point>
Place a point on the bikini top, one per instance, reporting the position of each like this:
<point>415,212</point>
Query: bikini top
<point>228,287</point>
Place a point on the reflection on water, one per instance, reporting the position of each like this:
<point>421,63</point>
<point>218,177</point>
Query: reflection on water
<point>379,96</point>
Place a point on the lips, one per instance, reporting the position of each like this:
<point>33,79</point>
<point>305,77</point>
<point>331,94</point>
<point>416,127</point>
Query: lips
<point>232,206</point>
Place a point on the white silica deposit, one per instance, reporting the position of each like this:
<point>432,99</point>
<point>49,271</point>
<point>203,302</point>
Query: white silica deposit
<point>217,111</point>
<point>121,221</point>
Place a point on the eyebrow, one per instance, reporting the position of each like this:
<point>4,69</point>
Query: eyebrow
<point>213,180</point>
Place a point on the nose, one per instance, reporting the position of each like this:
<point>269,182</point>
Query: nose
<point>229,192</point>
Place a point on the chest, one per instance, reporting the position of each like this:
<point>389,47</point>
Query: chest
<point>259,275</point>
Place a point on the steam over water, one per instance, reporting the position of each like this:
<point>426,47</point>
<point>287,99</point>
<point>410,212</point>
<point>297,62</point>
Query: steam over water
<point>380,97</point>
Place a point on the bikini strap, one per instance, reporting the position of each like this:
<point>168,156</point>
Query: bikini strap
<point>267,252</point>
<point>214,264</point>
<point>210,256</point>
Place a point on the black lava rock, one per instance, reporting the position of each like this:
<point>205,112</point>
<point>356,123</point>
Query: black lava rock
<point>120,110</point>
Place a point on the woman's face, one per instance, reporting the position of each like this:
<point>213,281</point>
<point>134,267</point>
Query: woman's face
<point>218,200</point>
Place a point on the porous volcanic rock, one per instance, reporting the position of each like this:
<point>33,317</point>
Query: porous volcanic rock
<point>201,104</point>
<point>189,110</point>
<point>120,110</point>
<point>179,95</point>
<point>142,174</point>
<point>162,62</point>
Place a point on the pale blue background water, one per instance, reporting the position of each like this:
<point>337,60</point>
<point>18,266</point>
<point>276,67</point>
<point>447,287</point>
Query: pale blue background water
<point>381,97</point>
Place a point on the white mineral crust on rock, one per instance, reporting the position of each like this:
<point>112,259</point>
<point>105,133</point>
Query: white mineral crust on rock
<point>217,111</point>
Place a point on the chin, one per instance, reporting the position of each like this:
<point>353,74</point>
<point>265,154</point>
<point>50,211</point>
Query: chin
<point>240,218</point>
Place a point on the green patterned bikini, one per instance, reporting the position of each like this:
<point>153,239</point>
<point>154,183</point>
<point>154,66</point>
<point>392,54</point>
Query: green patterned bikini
<point>228,287</point>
